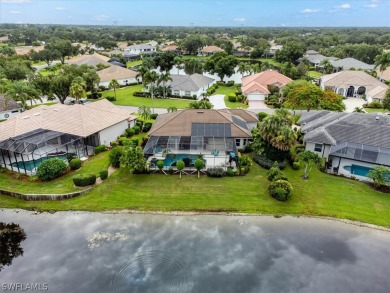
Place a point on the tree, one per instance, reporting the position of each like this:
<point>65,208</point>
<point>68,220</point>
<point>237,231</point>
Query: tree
<point>46,55</point>
<point>63,47</point>
<point>163,78</point>
<point>199,165</point>
<point>114,84</point>
<point>180,166</point>
<point>359,109</point>
<point>15,70</point>
<point>192,43</point>
<point>310,160</point>
<point>22,91</point>
<point>148,63</point>
<point>165,61</point>
<point>178,62</point>
<point>327,66</point>
<point>77,89</point>
<point>380,175</point>
<point>202,104</point>
<point>285,139</point>
<point>290,52</point>
<point>386,100</point>
<point>382,62</point>
<point>160,165</point>
<point>144,112</point>
<point>11,236</point>
<point>141,72</point>
<point>151,78</point>
<point>193,65</point>
<point>308,96</point>
<point>221,64</point>
<point>60,86</point>
<point>243,67</point>
<point>133,158</point>
<point>332,101</point>
<point>171,109</point>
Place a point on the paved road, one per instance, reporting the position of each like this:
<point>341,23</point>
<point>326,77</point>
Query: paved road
<point>218,101</point>
<point>40,67</point>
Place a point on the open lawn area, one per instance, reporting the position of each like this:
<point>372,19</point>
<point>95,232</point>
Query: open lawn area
<point>321,195</point>
<point>376,110</point>
<point>125,97</point>
<point>314,74</point>
<point>226,90</point>
<point>133,63</point>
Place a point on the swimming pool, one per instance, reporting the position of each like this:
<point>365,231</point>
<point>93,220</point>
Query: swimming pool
<point>170,160</point>
<point>358,170</point>
<point>30,165</point>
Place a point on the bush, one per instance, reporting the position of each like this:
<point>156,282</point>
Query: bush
<point>232,98</point>
<point>114,144</point>
<point>245,164</point>
<point>122,140</point>
<point>147,127</point>
<point>230,83</point>
<point>296,165</point>
<point>170,170</point>
<point>130,132</point>
<point>267,163</point>
<point>373,105</point>
<point>115,157</point>
<point>215,172</point>
<point>262,116</point>
<point>99,149</point>
<point>160,165</point>
<point>70,156</point>
<point>280,190</point>
<point>230,172</point>
<point>141,94</point>
<point>110,98</point>
<point>273,172</point>
<point>153,116</point>
<point>82,180</point>
<point>135,141</point>
<point>220,83</point>
<point>102,88</point>
<point>139,123</point>
<point>103,174</point>
<point>136,129</point>
<point>75,164</point>
<point>51,169</point>
<point>94,95</point>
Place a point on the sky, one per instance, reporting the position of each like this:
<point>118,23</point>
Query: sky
<point>232,13</point>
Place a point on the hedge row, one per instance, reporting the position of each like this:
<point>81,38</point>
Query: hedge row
<point>82,180</point>
<point>267,163</point>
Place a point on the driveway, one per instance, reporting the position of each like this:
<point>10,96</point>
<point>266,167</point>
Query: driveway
<point>218,101</point>
<point>352,103</point>
<point>260,105</point>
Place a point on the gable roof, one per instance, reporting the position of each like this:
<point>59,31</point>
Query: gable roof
<point>24,50</point>
<point>385,75</point>
<point>170,48</point>
<point>80,120</point>
<point>259,82</point>
<point>91,60</point>
<point>345,79</point>
<point>358,128</point>
<point>179,123</point>
<point>115,72</point>
<point>248,116</point>
<point>211,49</point>
<point>348,63</point>
<point>140,47</point>
<point>9,105</point>
<point>190,83</point>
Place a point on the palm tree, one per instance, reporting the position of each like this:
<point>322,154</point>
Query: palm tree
<point>171,109</point>
<point>141,73</point>
<point>148,63</point>
<point>265,66</point>
<point>163,78</point>
<point>114,84</point>
<point>256,68</point>
<point>144,112</point>
<point>382,61</point>
<point>178,62</point>
<point>193,65</point>
<point>243,67</point>
<point>22,91</point>
<point>151,78</point>
<point>285,139</point>
<point>327,66</point>
<point>359,110</point>
<point>77,89</point>
<point>269,127</point>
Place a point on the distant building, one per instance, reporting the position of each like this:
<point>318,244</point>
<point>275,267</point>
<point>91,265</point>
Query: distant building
<point>124,76</point>
<point>4,39</point>
<point>139,49</point>
<point>190,85</point>
<point>92,60</point>
<point>210,50</point>
<point>351,63</point>
<point>8,108</point>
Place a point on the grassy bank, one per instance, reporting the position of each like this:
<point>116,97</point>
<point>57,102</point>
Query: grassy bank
<point>321,195</point>
<point>226,90</point>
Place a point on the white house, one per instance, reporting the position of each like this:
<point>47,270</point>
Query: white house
<point>124,76</point>
<point>140,49</point>
<point>190,85</point>
<point>8,108</point>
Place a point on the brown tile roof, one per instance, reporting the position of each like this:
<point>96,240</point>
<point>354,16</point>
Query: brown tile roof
<point>91,60</point>
<point>4,39</point>
<point>24,50</point>
<point>170,48</point>
<point>179,123</point>
<point>259,82</point>
<point>80,120</point>
<point>115,72</point>
<point>9,105</point>
<point>210,49</point>
<point>385,74</point>
<point>248,116</point>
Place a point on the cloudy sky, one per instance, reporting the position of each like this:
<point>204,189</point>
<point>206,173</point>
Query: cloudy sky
<point>199,12</point>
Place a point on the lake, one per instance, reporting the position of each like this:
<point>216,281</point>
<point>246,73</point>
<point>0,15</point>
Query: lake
<point>95,252</point>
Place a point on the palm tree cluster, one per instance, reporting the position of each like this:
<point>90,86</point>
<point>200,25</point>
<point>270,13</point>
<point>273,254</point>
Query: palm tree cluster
<point>246,68</point>
<point>21,91</point>
<point>382,62</point>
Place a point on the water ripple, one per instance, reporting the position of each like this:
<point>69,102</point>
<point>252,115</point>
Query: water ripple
<point>152,271</point>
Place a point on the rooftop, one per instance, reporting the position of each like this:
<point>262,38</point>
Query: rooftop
<point>192,82</point>
<point>259,82</point>
<point>348,63</point>
<point>115,72</point>
<point>91,60</point>
<point>210,49</point>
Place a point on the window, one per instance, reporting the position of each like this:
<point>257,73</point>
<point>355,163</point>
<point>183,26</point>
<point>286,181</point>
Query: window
<point>177,93</point>
<point>188,93</point>
<point>318,147</point>
<point>238,142</point>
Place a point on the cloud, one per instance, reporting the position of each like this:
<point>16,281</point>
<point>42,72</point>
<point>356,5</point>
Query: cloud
<point>101,17</point>
<point>372,5</point>
<point>239,19</point>
<point>59,8</point>
<point>308,10</point>
<point>344,6</point>
<point>15,12</point>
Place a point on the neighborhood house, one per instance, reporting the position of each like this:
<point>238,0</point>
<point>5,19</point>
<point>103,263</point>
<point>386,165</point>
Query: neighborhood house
<point>189,85</point>
<point>8,108</point>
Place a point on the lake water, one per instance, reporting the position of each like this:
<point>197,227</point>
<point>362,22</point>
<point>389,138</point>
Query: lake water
<point>92,252</point>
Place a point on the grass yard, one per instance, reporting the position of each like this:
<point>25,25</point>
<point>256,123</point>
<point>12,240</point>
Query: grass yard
<point>133,63</point>
<point>314,74</point>
<point>225,90</point>
<point>125,97</point>
<point>376,110</point>
<point>61,185</point>
<point>321,195</point>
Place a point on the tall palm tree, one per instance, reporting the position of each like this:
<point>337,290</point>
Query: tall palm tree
<point>163,78</point>
<point>22,92</point>
<point>141,73</point>
<point>77,89</point>
<point>151,78</point>
<point>243,67</point>
<point>256,68</point>
<point>178,62</point>
<point>269,127</point>
<point>148,62</point>
<point>193,65</point>
<point>114,84</point>
<point>382,61</point>
<point>265,66</point>
<point>327,66</point>
<point>285,139</point>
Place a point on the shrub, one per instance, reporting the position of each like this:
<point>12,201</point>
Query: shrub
<point>147,127</point>
<point>130,132</point>
<point>153,116</point>
<point>141,94</point>
<point>280,190</point>
<point>114,144</point>
<point>70,156</point>
<point>373,105</point>
<point>136,129</point>
<point>230,83</point>
<point>115,157</point>
<point>160,165</point>
<point>232,98</point>
<point>75,164</point>
<point>245,164</point>
<point>220,83</point>
<point>273,172</point>
<point>170,170</point>
<point>110,98</point>
<point>103,174</point>
<point>267,163</point>
<point>51,169</point>
<point>139,123</point>
<point>215,172</point>
<point>82,180</point>
<point>99,149</point>
<point>135,141</point>
<point>296,165</point>
<point>102,88</point>
<point>262,116</point>
<point>230,172</point>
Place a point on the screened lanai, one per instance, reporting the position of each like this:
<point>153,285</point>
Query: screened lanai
<point>361,152</point>
<point>24,153</point>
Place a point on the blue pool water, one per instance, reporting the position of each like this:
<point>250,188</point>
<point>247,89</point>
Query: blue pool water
<point>358,170</point>
<point>30,165</point>
<point>171,159</point>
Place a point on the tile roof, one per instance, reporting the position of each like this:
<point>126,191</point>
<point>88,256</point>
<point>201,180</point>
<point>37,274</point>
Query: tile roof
<point>80,120</point>
<point>91,60</point>
<point>24,50</point>
<point>170,48</point>
<point>10,105</point>
<point>259,82</point>
<point>115,72</point>
<point>210,49</point>
<point>192,82</point>
<point>140,47</point>
<point>348,63</point>
<point>179,123</point>
<point>385,75</point>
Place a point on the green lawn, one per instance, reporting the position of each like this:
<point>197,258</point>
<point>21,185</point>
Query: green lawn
<point>315,74</point>
<point>45,72</point>
<point>321,195</point>
<point>224,90</point>
<point>125,97</point>
<point>376,110</point>
<point>133,63</point>
<point>61,185</point>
